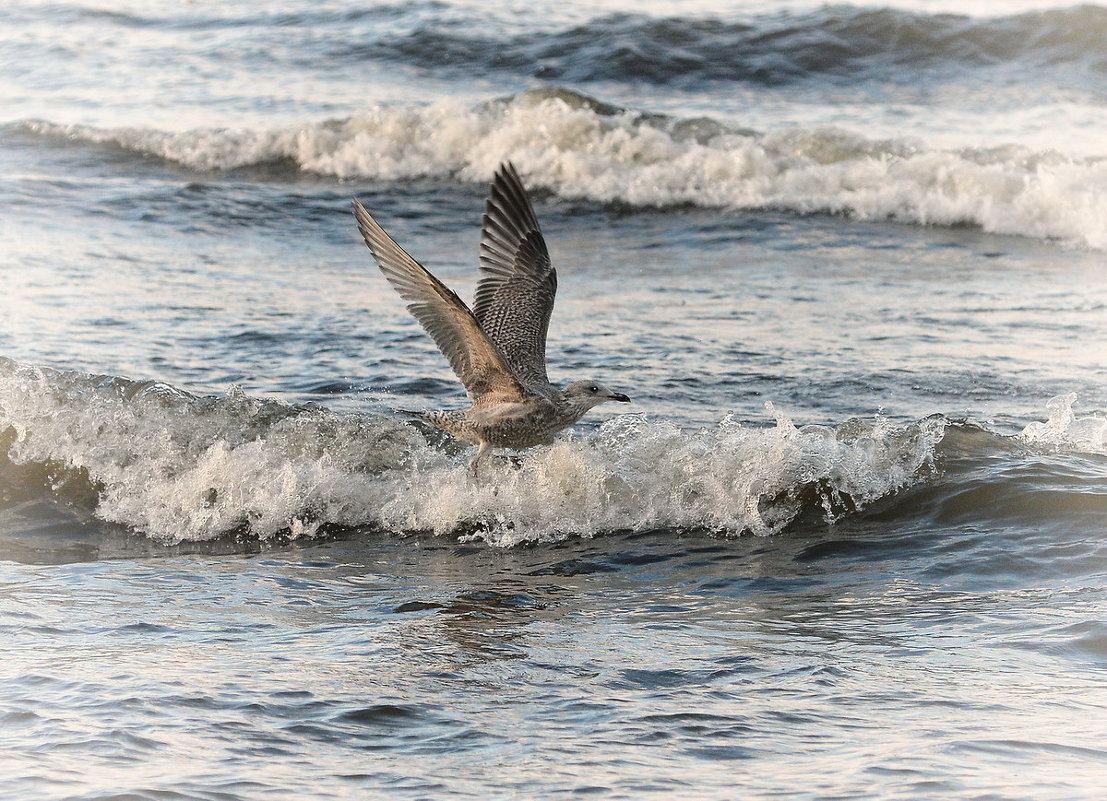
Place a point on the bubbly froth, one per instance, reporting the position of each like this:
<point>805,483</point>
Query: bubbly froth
<point>180,467</point>
<point>583,149</point>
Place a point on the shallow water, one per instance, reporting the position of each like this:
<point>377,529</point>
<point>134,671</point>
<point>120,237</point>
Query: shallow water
<point>849,541</point>
<point>873,659</point>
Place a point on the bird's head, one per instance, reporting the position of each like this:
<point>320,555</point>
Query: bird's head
<point>592,393</point>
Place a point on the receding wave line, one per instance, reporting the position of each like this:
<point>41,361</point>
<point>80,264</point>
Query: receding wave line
<point>580,148</point>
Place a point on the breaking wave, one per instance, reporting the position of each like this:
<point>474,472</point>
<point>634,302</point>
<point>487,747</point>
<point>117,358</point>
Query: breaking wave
<point>583,149</point>
<point>179,467</point>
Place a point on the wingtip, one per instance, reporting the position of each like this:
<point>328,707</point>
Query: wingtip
<point>508,207</point>
<point>365,222</point>
<point>506,172</point>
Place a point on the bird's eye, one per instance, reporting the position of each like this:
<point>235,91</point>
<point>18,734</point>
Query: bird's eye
<point>593,389</point>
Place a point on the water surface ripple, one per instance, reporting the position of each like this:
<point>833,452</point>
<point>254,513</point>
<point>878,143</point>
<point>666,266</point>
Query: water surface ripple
<point>848,542</point>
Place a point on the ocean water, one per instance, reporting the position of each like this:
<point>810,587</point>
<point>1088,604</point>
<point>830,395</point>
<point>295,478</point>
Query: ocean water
<point>850,540</point>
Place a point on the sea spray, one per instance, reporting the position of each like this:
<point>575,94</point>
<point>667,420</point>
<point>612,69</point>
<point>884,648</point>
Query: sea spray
<point>181,467</point>
<point>1064,430</point>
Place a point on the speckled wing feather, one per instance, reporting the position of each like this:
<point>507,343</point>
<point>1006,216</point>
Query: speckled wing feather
<point>515,295</point>
<point>473,356</point>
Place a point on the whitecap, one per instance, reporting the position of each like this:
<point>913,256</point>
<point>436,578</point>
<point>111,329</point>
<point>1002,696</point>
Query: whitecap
<point>580,148</point>
<point>181,467</point>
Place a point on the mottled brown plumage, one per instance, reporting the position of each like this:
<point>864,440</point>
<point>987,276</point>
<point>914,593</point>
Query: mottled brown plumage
<point>497,349</point>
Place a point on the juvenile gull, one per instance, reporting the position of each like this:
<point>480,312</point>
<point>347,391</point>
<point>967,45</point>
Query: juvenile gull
<point>498,348</point>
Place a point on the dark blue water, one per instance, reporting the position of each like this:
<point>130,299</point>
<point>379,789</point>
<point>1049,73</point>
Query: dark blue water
<point>847,542</point>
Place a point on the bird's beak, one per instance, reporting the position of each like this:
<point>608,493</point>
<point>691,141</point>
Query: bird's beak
<point>619,397</point>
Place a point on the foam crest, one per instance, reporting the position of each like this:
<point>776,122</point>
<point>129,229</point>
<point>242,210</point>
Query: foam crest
<point>180,467</point>
<point>583,149</point>
<point>637,475</point>
<point>1065,431</point>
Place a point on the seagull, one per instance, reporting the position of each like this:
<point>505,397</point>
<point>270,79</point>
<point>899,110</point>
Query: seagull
<point>497,348</point>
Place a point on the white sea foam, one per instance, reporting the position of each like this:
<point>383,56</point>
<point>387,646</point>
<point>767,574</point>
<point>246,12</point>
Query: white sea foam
<point>637,474</point>
<point>582,149</point>
<point>177,467</point>
<point>1064,430</point>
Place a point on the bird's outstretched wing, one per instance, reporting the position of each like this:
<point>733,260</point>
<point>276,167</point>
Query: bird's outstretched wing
<point>479,364</point>
<point>515,295</point>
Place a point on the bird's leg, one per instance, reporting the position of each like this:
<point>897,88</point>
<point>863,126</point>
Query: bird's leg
<point>483,449</point>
